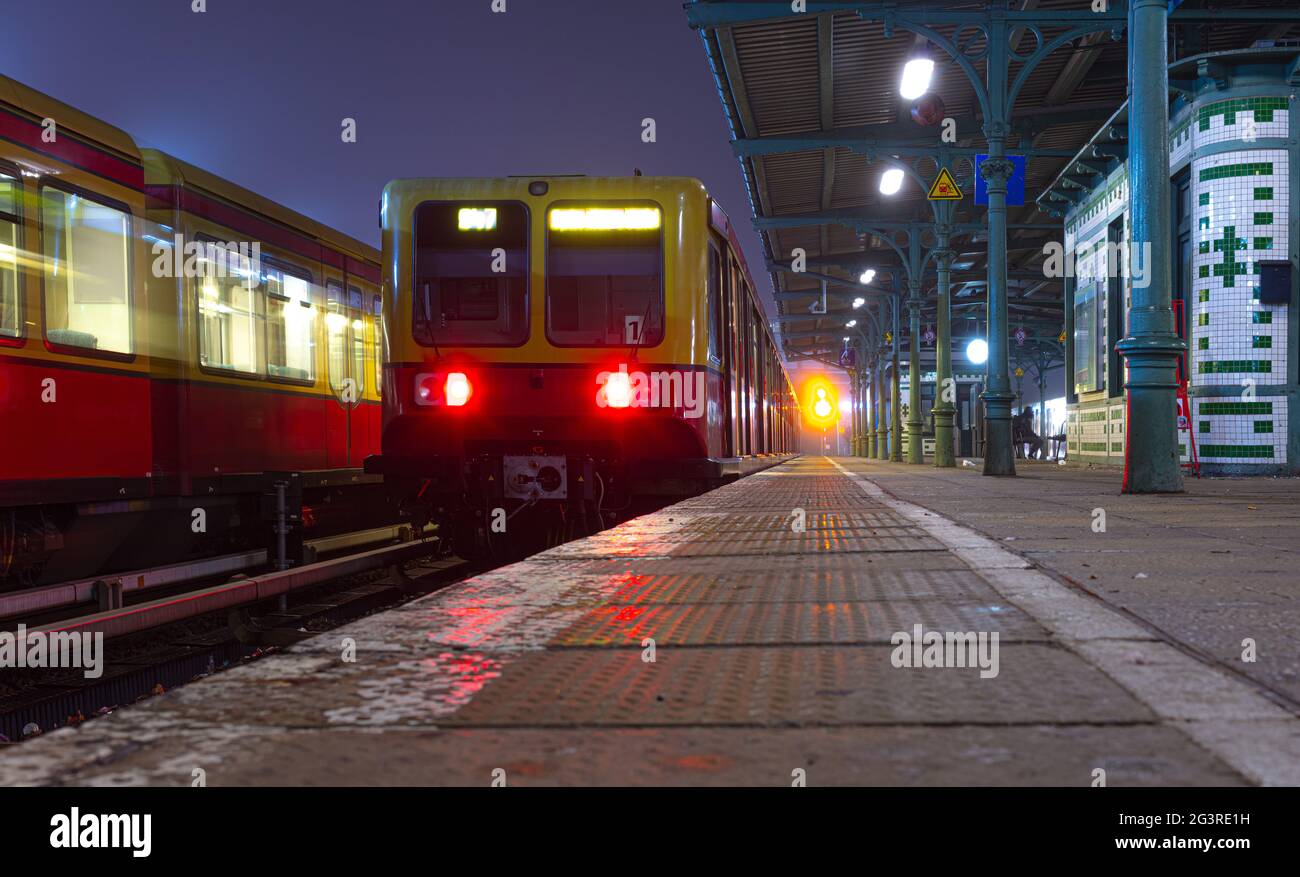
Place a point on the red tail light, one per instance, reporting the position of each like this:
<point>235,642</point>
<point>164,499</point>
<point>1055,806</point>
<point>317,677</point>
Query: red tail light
<point>452,389</point>
<point>427,390</point>
<point>618,390</point>
<point>458,389</point>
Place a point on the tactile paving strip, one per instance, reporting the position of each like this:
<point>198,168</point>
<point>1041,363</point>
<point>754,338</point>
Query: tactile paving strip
<point>682,544</point>
<point>791,686</point>
<point>630,624</point>
<point>781,579</point>
<point>744,522</point>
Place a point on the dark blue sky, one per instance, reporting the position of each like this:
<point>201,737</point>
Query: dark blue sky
<point>255,90</point>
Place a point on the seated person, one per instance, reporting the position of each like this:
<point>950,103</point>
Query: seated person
<point>1022,433</point>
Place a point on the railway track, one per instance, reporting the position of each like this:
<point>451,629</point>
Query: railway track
<point>156,643</point>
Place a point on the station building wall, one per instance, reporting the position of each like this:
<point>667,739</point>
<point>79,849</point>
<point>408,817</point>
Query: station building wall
<point>1231,153</point>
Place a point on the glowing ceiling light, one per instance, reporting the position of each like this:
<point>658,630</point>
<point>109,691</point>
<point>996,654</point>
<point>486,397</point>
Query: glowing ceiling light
<point>477,218</point>
<point>605,218</point>
<point>917,74</point>
<point>977,352</point>
<point>891,181</point>
<point>850,324</point>
<point>868,275</point>
<point>859,302</point>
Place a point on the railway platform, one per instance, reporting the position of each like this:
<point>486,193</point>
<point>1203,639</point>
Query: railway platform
<point>781,630</point>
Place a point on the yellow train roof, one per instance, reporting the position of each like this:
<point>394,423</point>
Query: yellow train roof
<point>69,118</point>
<point>162,165</point>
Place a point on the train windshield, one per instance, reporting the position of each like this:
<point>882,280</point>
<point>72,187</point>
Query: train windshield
<point>471,274</point>
<point>604,276</point>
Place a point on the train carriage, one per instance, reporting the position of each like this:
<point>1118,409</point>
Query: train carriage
<point>579,342</point>
<point>132,394</point>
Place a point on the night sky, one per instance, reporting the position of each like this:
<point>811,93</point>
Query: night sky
<point>256,91</point>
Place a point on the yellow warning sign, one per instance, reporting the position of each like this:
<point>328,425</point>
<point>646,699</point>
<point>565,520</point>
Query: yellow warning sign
<point>944,188</point>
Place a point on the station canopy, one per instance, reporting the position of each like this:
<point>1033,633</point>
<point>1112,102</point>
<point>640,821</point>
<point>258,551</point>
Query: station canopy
<point>810,97</point>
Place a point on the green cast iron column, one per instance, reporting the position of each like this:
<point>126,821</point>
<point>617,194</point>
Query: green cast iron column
<point>875,411</point>
<point>862,402</point>
<point>881,446</point>
<point>1152,348</point>
<point>915,455</point>
<point>996,170</point>
<point>896,400</point>
<point>853,415</point>
<point>945,389</point>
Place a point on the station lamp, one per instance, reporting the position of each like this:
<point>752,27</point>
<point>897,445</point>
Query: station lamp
<point>868,275</point>
<point>859,302</point>
<point>977,352</point>
<point>850,324</point>
<point>891,181</point>
<point>917,73</point>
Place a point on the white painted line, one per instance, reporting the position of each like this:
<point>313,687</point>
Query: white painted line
<point>1222,713</point>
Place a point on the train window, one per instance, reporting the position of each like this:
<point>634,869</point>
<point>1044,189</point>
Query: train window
<point>715,304</point>
<point>336,332</point>
<point>87,249</point>
<point>231,323</point>
<point>356,313</point>
<point>11,322</point>
<point>604,276</point>
<point>291,326</point>
<point>471,274</point>
<point>377,308</point>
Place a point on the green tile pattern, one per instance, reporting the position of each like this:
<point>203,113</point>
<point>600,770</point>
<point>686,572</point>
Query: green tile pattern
<point>1262,107</point>
<point>1237,451</point>
<point>1245,169</point>
<point>1208,409</point>
<point>1229,366</point>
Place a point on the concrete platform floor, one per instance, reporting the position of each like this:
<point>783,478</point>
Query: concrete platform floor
<point>716,642</point>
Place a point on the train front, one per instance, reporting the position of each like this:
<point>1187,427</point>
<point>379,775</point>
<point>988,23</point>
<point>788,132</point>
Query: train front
<point>546,346</point>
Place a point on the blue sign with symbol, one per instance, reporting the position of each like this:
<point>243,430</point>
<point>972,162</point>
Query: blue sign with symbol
<point>1015,186</point>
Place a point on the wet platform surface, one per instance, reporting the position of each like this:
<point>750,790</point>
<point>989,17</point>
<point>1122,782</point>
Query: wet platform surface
<point>714,642</point>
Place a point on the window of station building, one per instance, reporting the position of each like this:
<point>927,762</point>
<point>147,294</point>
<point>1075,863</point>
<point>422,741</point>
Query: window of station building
<point>11,319</point>
<point>471,274</point>
<point>87,249</point>
<point>604,275</point>
<point>291,325</point>
<point>232,321</point>
<point>1089,336</point>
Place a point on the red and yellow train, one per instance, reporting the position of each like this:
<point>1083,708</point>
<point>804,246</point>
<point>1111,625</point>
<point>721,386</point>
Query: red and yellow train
<point>148,397</point>
<point>572,345</point>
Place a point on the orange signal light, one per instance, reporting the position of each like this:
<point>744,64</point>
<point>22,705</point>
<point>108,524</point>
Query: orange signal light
<point>822,407</point>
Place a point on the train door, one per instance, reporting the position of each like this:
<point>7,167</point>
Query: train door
<point>742,366</point>
<point>345,387</point>
<point>760,382</point>
<point>730,390</point>
<point>718,347</point>
<point>358,347</point>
